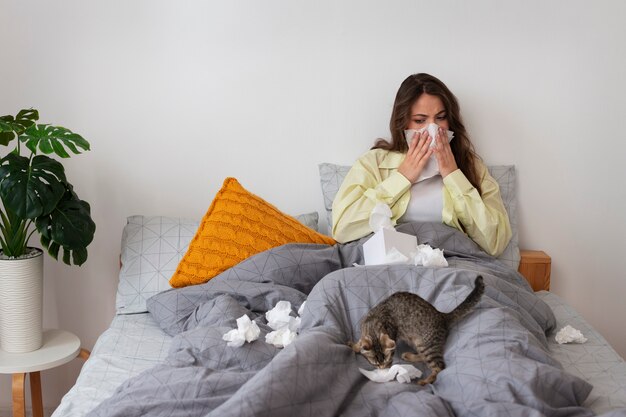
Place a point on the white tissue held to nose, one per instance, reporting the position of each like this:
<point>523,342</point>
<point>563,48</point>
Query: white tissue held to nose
<point>432,166</point>
<point>569,335</point>
<point>433,131</point>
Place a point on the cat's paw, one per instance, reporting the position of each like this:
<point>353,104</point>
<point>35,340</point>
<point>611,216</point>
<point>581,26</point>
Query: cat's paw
<point>426,381</point>
<point>430,379</point>
<point>411,357</point>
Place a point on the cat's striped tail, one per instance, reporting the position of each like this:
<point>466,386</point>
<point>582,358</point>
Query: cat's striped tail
<point>469,302</point>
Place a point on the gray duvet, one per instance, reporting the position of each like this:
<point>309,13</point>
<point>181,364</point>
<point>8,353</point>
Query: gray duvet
<point>496,356</point>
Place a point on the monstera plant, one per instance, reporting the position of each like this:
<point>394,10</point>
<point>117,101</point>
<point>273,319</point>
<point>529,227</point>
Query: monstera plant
<point>36,195</point>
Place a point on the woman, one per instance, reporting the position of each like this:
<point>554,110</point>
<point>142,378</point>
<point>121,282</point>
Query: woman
<point>461,194</point>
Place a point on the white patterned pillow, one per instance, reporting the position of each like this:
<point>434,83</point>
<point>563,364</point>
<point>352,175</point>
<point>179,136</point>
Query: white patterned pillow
<point>332,175</point>
<point>152,247</point>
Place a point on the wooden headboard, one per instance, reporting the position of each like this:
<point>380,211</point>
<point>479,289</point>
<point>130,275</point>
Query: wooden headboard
<point>535,266</point>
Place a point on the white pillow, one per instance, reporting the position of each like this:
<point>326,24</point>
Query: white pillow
<point>332,175</point>
<point>152,247</point>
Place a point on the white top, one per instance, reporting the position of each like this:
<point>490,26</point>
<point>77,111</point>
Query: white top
<point>59,347</point>
<point>426,203</point>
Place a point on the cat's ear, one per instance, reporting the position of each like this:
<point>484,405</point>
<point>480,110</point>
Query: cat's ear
<point>387,342</point>
<point>364,344</point>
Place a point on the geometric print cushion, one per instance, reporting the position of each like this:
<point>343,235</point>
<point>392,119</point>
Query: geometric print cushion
<point>332,176</point>
<point>152,247</point>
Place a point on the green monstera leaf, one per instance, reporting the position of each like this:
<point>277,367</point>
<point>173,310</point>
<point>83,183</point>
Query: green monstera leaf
<point>68,226</point>
<point>31,188</point>
<point>34,189</point>
<point>53,139</point>
<point>11,126</point>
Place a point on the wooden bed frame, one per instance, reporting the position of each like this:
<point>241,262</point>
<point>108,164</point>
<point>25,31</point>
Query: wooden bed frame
<point>535,267</point>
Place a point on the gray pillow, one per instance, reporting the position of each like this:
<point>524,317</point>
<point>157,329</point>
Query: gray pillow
<point>309,220</point>
<point>506,177</point>
<point>152,247</point>
<point>332,175</point>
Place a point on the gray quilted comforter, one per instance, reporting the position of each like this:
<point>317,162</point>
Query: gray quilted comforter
<point>497,357</point>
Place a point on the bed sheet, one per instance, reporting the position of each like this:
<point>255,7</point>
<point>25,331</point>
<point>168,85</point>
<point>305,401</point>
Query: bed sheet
<point>131,344</point>
<point>594,361</point>
<point>134,343</point>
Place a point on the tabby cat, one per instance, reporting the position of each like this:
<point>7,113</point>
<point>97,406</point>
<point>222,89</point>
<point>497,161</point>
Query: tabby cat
<point>408,317</point>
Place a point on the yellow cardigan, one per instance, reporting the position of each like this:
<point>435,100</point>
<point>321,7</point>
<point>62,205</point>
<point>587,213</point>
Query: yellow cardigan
<point>375,178</point>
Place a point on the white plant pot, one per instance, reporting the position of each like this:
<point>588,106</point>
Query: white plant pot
<point>21,301</point>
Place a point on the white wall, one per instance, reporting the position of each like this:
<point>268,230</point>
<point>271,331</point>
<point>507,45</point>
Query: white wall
<point>175,96</point>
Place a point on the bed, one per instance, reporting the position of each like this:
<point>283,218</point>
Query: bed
<point>153,360</point>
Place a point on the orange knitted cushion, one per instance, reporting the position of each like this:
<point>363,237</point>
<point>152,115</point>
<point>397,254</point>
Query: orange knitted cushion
<point>238,225</point>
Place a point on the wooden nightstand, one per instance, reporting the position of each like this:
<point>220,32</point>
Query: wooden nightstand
<point>59,347</point>
<point>535,267</point>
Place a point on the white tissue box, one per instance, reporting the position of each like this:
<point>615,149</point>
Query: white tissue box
<point>379,248</point>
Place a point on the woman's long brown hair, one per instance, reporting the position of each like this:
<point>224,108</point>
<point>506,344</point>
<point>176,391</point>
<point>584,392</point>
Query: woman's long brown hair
<point>410,90</point>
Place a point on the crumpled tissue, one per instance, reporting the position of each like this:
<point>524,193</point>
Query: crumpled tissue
<point>280,317</point>
<point>428,256</point>
<point>246,331</point>
<point>569,335</point>
<point>281,337</point>
<point>380,218</point>
<point>432,166</point>
<point>401,373</point>
<point>284,325</point>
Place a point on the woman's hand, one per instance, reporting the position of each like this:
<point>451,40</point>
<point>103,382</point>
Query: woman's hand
<point>444,155</point>
<point>417,156</point>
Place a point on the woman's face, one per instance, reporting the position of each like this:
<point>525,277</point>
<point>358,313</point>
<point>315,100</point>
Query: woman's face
<point>427,109</point>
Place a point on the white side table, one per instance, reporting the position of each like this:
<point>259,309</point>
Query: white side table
<point>59,347</point>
